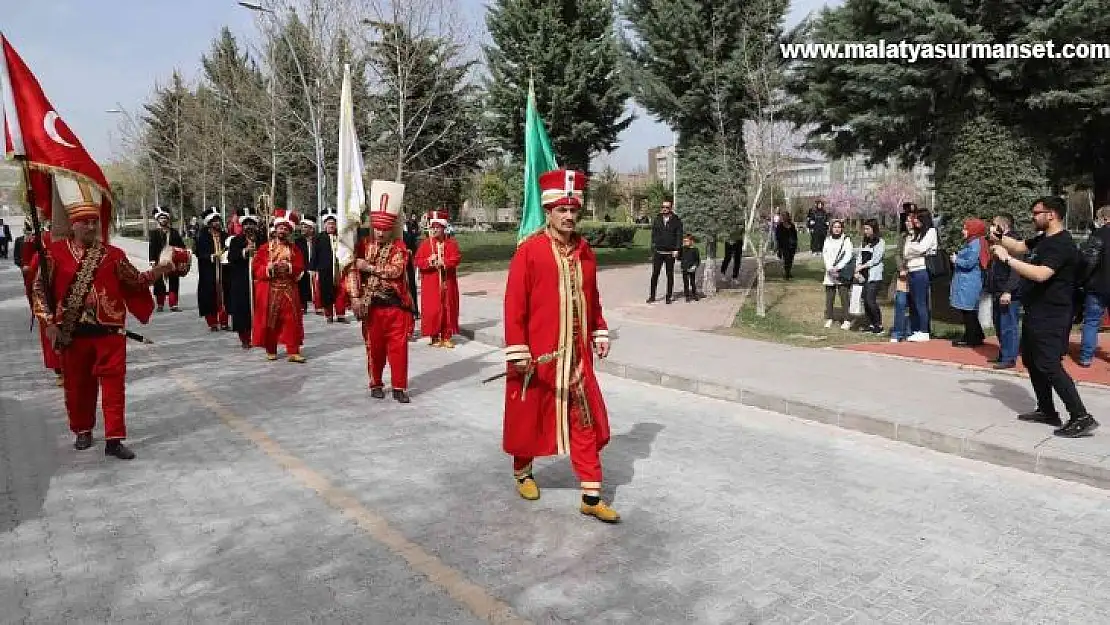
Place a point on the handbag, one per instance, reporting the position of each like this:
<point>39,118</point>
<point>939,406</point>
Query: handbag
<point>937,266</point>
<point>845,274</point>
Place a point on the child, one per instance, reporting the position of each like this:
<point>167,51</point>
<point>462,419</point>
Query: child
<point>691,260</point>
<point>900,330</point>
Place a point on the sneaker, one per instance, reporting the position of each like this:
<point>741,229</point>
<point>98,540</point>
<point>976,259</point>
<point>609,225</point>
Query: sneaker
<point>1077,427</point>
<point>847,325</point>
<point>828,323</point>
<point>1037,416</point>
<point>1004,365</point>
<point>877,330</point>
<point>919,337</point>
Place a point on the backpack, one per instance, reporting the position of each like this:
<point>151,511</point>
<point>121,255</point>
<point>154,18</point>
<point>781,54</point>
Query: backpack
<point>1090,259</point>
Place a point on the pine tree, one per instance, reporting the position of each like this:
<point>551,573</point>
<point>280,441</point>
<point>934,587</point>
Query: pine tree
<point>571,51</point>
<point>689,61</point>
<point>913,111</point>
<point>990,173</point>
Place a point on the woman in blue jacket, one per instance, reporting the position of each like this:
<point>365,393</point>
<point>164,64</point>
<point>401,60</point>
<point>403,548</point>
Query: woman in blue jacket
<point>967,280</point>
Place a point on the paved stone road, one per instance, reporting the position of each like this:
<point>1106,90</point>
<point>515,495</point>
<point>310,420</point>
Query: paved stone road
<point>254,500</point>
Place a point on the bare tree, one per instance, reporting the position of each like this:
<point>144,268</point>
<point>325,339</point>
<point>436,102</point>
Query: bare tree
<point>421,75</point>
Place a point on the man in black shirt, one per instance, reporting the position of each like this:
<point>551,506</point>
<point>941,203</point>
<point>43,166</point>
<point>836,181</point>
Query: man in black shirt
<point>1049,274</point>
<point>666,242</point>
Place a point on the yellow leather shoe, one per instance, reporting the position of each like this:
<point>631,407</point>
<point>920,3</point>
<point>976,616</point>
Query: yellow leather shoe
<point>528,489</point>
<point>435,343</point>
<point>297,358</point>
<point>601,511</point>
<point>271,356</point>
<point>61,381</point>
<point>447,343</point>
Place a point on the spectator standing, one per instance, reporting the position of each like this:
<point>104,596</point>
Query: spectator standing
<point>1047,296</point>
<point>691,261</point>
<point>734,252</point>
<point>1002,283</point>
<point>921,243</point>
<point>837,253</point>
<point>817,222</point>
<point>666,241</point>
<point>5,238</point>
<point>1097,285</point>
<point>870,271</point>
<point>786,241</point>
<point>967,281</point>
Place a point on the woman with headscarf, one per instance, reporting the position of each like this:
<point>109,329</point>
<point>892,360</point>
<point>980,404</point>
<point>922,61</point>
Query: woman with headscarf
<point>967,280</point>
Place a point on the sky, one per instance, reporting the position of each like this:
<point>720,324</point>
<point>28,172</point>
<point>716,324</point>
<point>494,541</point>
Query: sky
<point>94,55</point>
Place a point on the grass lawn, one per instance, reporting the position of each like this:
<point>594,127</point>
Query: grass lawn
<point>491,251</point>
<point>796,311</point>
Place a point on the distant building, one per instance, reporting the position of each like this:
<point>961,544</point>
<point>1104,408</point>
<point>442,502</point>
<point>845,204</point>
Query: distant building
<point>811,177</point>
<point>661,163</point>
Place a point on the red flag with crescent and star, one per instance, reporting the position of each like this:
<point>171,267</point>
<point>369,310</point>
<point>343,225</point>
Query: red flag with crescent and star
<point>37,135</point>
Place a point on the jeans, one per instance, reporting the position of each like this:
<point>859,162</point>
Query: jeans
<point>901,327</point>
<point>1093,308</point>
<point>1005,319</point>
<point>919,301</point>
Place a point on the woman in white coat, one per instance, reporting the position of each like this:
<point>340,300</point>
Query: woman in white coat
<point>837,253</point>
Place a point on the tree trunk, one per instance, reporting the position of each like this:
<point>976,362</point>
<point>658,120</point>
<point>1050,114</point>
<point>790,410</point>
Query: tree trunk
<point>760,285</point>
<point>1101,186</point>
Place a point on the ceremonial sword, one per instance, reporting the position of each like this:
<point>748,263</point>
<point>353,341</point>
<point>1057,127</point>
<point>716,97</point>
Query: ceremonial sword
<point>531,367</point>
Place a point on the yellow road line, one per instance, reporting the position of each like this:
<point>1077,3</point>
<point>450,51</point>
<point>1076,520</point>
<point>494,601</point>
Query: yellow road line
<point>471,595</point>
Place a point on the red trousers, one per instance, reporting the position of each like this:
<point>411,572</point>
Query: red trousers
<point>96,364</point>
<point>218,319</point>
<point>386,333</point>
<point>584,456</point>
<point>161,299</point>
<point>340,307</point>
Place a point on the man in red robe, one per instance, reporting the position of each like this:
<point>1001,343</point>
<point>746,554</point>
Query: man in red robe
<point>379,293</point>
<point>92,288</point>
<point>438,259</point>
<point>277,268</point>
<point>553,328</point>
<point>29,263</point>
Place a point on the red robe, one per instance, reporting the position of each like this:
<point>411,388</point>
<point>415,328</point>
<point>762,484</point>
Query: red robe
<point>96,364</point>
<point>50,358</point>
<point>440,303</point>
<point>543,293</point>
<point>277,298</point>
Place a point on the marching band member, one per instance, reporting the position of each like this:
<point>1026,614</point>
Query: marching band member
<point>241,249</point>
<point>93,286</point>
<point>379,292</point>
<point>332,298</point>
<point>553,328</point>
<point>164,236</point>
<point>28,263</point>
<point>438,259</point>
<point>276,269</point>
<point>307,244</point>
<point>209,249</point>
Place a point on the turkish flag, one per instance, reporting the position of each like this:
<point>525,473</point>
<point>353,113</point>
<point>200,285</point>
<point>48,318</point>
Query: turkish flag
<point>34,132</point>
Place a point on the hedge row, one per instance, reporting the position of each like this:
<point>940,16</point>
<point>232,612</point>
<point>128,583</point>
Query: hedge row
<point>607,235</point>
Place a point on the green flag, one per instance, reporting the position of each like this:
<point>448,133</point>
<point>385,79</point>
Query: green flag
<point>538,159</point>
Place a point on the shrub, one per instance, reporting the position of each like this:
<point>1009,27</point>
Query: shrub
<point>504,226</point>
<point>599,234</point>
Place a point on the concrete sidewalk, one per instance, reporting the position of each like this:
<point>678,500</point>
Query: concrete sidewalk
<point>966,413</point>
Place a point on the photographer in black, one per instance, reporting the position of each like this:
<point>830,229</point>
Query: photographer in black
<point>1047,292</point>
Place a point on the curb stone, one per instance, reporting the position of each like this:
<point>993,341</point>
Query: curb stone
<point>982,445</point>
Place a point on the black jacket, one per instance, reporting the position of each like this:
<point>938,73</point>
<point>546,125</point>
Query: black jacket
<point>1001,278</point>
<point>158,242</point>
<point>666,237</point>
<point>1093,254</point>
<point>690,258</point>
<point>17,252</point>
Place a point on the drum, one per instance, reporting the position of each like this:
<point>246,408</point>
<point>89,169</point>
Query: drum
<point>181,258</point>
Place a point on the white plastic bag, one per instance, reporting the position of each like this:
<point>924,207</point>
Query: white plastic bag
<point>855,302</point>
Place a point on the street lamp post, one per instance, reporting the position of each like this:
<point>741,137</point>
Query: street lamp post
<point>119,110</point>
<point>314,119</point>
